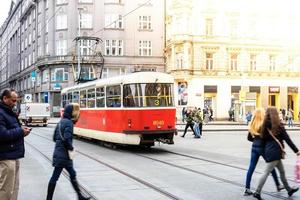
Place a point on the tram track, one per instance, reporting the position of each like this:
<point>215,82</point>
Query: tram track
<point>145,183</point>
<point>65,174</point>
<point>211,176</point>
<point>277,196</point>
<point>215,162</point>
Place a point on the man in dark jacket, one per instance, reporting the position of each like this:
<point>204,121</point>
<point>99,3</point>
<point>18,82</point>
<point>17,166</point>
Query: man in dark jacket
<point>11,146</point>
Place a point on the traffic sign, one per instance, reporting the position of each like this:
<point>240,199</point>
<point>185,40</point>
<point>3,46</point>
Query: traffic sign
<point>28,98</point>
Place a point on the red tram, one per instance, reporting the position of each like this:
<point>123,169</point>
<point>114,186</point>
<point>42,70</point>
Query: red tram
<point>134,109</point>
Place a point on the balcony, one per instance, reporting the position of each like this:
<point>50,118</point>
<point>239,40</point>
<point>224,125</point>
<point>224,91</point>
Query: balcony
<point>68,59</point>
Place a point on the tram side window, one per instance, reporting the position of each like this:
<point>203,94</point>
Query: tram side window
<point>75,97</point>
<point>100,97</point>
<point>91,98</point>
<point>113,96</point>
<point>69,97</point>
<point>131,95</point>
<point>83,99</point>
<point>64,100</point>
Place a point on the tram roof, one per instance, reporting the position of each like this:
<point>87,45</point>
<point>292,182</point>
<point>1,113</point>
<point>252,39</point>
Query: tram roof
<point>136,77</point>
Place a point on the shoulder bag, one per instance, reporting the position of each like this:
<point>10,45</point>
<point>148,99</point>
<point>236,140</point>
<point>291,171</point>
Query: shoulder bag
<point>280,145</point>
<point>71,153</point>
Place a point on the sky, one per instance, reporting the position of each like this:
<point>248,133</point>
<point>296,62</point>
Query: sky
<point>4,8</point>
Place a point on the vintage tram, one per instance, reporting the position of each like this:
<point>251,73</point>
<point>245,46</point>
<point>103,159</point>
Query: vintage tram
<point>133,109</point>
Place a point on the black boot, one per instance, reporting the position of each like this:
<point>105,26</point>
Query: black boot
<point>51,188</point>
<point>76,188</point>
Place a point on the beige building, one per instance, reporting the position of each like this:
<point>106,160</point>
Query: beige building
<point>227,55</point>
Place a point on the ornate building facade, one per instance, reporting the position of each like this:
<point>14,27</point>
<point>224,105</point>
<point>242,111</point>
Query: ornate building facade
<point>227,56</point>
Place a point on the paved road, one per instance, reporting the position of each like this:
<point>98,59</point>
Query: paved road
<point>210,168</point>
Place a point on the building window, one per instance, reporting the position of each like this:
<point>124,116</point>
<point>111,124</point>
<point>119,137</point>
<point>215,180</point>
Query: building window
<point>46,48</point>
<point>145,23</point>
<point>209,61</point>
<point>272,63</point>
<point>114,47</point>
<point>29,59</point>
<point>86,20</point>
<point>179,60</point>
<point>86,47</point>
<point>40,52</point>
<point>113,21</point>
<point>87,73</point>
<point>233,62</point>
<point>22,64</point>
<point>38,79</point>
<point>59,74</point>
<point>209,27</point>
<point>252,62</point>
<point>145,48</point>
<point>26,63</point>
<point>61,48</point>
<point>61,22</point>
<point>33,57</point>
<point>45,77</point>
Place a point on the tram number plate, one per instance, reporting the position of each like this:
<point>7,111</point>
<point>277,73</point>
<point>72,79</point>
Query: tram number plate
<point>158,122</point>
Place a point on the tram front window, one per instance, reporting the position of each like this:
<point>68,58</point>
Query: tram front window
<point>148,95</point>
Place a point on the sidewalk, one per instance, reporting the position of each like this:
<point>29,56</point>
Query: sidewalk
<point>35,172</point>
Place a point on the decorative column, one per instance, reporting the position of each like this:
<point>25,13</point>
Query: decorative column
<point>283,97</point>
<point>264,93</point>
<point>223,100</point>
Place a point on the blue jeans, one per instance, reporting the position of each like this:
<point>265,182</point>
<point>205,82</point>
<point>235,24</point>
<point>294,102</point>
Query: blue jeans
<point>256,152</point>
<point>290,122</point>
<point>57,171</point>
<point>196,129</point>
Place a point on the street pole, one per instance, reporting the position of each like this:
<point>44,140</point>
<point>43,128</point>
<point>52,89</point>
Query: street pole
<point>78,44</point>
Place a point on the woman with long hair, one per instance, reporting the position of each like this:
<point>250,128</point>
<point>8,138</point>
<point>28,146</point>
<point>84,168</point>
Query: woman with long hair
<point>257,149</point>
<point>62,159</point>
<point>274,134</point>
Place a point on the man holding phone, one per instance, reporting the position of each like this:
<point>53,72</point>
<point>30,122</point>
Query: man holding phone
<point>11,145</point>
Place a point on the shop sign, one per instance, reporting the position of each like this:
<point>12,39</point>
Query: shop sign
<point>33,76</point>
<point>56,86</point>
<point>274,89</point>
<point>292,90</point>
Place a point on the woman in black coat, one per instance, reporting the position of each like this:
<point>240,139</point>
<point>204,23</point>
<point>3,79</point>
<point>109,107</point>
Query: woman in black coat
<point>63,139</point>
<point>274,134</point>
